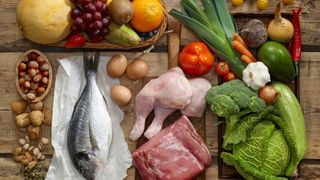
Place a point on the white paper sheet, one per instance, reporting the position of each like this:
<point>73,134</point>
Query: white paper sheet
<point>69,83</point>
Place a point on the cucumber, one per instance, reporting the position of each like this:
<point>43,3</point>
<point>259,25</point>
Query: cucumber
<point>293,123</point>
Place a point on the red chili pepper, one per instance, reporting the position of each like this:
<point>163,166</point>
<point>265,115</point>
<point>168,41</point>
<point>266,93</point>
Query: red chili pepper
<point>295,45</point>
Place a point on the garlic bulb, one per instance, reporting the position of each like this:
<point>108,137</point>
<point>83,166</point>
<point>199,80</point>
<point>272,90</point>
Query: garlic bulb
<point>256,75</point>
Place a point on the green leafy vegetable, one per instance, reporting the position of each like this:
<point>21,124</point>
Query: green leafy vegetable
<point>231,97</point>
<point>264,142</point>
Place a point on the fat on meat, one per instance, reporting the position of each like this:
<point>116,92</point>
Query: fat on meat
<point>175,153</point>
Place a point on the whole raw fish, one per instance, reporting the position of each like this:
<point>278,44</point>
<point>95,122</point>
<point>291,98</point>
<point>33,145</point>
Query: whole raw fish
<point>89,138</point>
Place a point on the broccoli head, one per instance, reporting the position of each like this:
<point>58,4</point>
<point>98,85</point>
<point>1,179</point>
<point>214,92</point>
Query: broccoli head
<point>224,106</point>
<point>232,97</point>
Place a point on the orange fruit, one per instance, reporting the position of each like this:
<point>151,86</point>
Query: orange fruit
<point>147,15</point>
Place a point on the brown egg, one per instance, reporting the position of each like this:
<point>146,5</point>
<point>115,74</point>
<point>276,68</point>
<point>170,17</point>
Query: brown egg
<point>137,69</point>
<point>121,95</point>
<point>117,65</point>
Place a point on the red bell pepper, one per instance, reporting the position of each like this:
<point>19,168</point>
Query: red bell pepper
<point>196,59</point>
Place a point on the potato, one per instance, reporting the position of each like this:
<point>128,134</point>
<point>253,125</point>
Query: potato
<point>36,106</point>
<point>47,116</point>
<point>19,106</point>
<point>36,118</point>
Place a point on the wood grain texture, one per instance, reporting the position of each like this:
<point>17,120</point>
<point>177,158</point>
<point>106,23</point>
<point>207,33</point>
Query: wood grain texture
<point>11,38</point>
<point>310,171</point>
<point>173,43</point>
<point>9,169</point>
<point>309,99</point>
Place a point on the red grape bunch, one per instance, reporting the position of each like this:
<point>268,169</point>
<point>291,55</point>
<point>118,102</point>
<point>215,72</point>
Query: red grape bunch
<point>91,17</point>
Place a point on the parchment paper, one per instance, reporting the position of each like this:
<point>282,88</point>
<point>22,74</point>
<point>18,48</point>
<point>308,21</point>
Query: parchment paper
<point>69,83</point>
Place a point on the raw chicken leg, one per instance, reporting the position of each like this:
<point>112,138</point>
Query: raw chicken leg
<point>195,108</point>
<point>160,114</point>
<point>198,104</point>
<point>170,90</point>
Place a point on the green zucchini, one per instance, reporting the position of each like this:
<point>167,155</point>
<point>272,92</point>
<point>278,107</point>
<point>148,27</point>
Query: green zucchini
<point>293,123</point>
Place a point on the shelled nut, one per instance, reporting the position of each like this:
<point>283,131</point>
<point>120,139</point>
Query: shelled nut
<point>16,151</point>
<point>22,141</point>
<point>26,147</point>
<point>44,141</point>
<point>36,151</point>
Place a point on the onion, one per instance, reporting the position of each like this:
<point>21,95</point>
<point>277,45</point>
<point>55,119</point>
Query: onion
<point>280,29</point>
<point>268,94</point>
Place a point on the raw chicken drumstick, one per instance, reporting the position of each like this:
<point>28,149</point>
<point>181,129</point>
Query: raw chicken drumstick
<point>195,108</point>
<point>170,90</point>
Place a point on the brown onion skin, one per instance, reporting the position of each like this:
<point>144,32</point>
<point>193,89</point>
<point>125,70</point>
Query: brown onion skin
<point>268,94</point>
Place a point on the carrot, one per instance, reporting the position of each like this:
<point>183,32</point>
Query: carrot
<point>246,59</point>
<point>243,50</point>
<point>237,37</point>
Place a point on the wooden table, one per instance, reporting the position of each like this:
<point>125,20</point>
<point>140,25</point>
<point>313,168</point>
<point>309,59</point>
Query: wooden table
<point>12,45</point>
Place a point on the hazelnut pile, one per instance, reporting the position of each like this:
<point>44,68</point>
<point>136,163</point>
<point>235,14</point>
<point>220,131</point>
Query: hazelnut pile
<point>33,73</point>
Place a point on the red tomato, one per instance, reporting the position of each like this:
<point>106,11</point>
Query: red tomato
<point>230,76</point>
<point>196,59</point>
<point>222,69</point>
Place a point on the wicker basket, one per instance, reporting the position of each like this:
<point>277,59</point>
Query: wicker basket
<point>107,45</point>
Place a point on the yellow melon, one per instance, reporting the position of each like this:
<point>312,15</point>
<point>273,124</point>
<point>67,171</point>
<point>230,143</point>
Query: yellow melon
<point>44,21</point>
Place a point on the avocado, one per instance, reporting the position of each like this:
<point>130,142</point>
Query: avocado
<point>278,60</point>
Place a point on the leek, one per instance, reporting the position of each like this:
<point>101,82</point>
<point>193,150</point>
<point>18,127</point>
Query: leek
<point>209,25</point>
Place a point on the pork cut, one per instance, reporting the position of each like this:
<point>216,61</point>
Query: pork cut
<point>175,153</point>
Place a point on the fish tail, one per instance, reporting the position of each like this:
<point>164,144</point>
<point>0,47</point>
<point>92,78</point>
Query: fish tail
<point>90,63</point>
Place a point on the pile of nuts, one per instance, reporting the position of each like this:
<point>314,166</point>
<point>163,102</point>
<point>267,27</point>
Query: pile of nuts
<point>31,147</point>
<point>27,154</point>
<point>33,73</point>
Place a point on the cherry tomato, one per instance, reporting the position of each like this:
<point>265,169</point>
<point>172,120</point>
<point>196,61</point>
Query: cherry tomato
<point>230,76</point>
<point>222,69</point>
